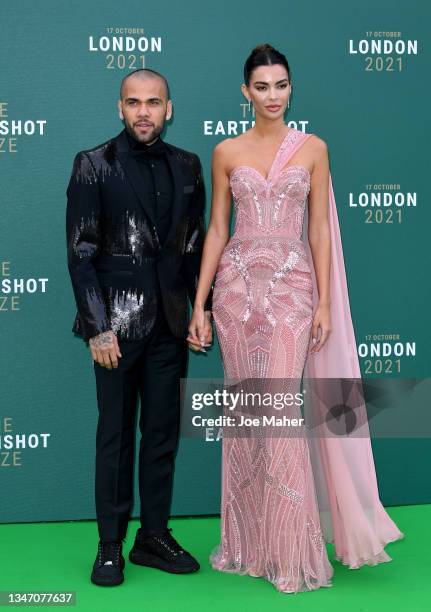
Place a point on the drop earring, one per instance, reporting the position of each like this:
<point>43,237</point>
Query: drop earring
<point>249,106</point>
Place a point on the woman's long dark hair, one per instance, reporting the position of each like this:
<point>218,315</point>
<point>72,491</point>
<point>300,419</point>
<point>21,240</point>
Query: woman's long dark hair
<point>264,55</point>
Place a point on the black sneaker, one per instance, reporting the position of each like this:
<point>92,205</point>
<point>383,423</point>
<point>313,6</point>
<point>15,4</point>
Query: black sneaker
<point>109,564</point>
<point>161,550</point>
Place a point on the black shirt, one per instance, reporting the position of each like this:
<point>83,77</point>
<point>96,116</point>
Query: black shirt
<point>158,181</point>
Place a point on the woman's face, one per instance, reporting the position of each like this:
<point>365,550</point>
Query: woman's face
<point>269,90</point>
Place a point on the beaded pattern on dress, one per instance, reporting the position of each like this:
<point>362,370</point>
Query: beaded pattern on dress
<point>262,308</point>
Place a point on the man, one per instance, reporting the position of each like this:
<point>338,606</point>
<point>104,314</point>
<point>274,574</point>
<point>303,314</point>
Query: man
<point>135,230</point>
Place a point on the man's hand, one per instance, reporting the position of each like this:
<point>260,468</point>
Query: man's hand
<point>200,330</point>
<point>105,350</point>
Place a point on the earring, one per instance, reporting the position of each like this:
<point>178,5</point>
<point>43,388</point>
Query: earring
<point>249,105</point>
<point>288,102</point>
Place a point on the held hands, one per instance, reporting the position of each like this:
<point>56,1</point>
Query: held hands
<point>105,350</point>
<point>200,330</point>
<point>322,319</point>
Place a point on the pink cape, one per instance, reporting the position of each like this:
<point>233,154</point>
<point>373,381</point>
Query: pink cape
<point>351,513</point>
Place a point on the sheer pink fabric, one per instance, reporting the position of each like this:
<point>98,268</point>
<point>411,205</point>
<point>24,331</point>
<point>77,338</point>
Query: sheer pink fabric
<point>352,515</point>
<point>284,496</point>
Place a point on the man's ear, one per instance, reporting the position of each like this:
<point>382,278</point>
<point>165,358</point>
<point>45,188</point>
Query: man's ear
<point>120,110</point>
<point>168,110</point>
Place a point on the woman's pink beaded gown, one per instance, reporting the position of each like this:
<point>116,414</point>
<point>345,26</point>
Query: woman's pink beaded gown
<point>263,299</point>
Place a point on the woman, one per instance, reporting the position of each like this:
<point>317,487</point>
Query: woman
<point>273,294</point>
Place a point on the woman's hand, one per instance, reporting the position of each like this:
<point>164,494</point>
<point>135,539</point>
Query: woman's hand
<point>200,330</point>
<point>322,320</point>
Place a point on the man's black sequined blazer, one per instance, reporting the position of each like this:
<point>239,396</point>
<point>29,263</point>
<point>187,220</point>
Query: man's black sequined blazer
<point>115,258</point>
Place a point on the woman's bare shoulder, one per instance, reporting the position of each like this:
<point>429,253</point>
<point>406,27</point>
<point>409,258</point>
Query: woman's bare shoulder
<point>317,144</point>
<point>230,145</point>
<point>228,150</point>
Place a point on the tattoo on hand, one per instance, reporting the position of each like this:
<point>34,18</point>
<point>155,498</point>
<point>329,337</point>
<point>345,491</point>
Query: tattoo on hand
<point>103,340</point>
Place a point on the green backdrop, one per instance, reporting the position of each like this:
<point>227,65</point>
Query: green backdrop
<point>360,81</point>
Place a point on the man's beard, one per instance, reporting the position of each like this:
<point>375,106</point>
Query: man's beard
<point>143,138</point>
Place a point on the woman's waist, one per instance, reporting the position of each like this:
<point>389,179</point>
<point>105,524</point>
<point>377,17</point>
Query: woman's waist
<point>275,250</point>
<point>265,240</point>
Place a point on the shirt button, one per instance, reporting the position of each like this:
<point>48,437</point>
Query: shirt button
<point>158,193</point>
<point>152,165</point>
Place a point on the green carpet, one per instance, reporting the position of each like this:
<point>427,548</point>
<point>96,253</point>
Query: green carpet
<point>59,556</point>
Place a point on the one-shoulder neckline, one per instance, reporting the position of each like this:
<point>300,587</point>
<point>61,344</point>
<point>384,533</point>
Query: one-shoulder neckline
<point>267,179</point>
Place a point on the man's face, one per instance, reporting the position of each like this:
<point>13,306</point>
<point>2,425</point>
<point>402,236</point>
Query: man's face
<point>144,108</point>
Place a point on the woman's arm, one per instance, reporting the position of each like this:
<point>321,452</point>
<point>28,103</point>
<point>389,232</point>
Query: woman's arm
<point>319,239</point>
<point>216,239</point>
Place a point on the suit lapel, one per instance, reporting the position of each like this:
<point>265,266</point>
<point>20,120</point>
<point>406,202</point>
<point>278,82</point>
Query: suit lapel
<point>133,172</point>
<point>178,203</point>
<point>134,175</point>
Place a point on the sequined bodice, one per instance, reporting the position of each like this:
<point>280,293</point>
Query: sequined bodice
<point>264,267</point>
<point>272,207</point>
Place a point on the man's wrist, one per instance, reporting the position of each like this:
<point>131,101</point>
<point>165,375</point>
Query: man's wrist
<point>102,339</point>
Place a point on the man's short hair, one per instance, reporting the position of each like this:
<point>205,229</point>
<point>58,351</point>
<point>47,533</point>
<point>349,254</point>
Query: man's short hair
<point>144,74</point>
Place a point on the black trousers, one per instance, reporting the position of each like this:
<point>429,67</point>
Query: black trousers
<point>150,369</point>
